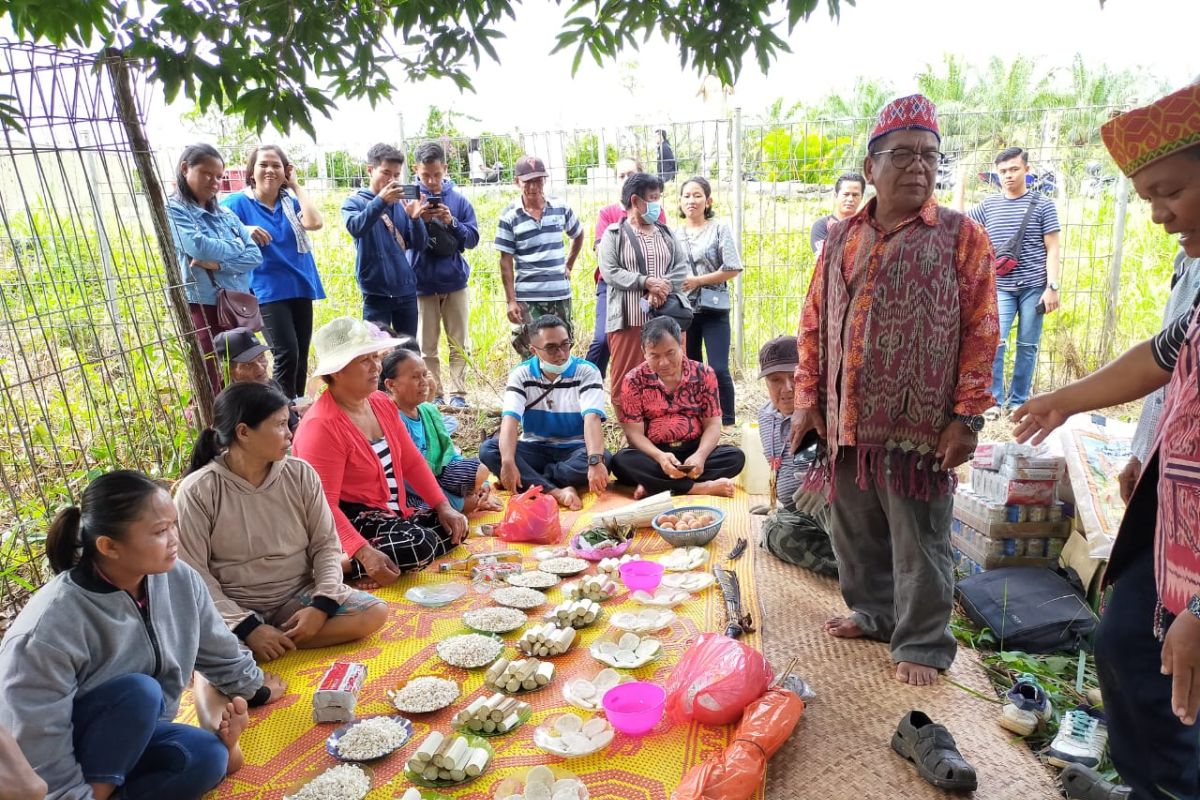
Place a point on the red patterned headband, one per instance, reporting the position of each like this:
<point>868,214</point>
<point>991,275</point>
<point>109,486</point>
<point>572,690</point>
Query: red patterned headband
<point>1144,135</point>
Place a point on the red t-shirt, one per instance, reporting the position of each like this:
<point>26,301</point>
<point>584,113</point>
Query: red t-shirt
<point>676,416</point>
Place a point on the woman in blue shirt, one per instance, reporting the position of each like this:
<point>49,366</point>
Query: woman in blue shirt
<point>405,378</point>
<point>279,214</point>
<point>214,249</point>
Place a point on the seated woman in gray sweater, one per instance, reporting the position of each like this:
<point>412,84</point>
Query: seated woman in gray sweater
<point>93,667</point>
<point>253,521</point>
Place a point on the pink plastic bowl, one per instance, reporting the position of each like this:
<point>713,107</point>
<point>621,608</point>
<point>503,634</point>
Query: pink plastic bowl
<point>641,575</point>
<point>635,708</point>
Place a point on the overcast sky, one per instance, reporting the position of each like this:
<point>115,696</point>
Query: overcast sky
<point>535,91</point>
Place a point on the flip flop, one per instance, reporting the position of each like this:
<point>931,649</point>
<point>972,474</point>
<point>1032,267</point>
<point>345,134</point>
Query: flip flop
<point>932,750</point>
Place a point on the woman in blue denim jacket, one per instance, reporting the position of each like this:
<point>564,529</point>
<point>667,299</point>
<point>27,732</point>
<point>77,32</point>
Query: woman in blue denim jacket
<point>212,245</point>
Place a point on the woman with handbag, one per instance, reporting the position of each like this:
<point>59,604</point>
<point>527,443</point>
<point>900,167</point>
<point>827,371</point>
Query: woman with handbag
<point>644,268</point>
<point>713,261</point>
<point>214,250</point>
<point>279,214</point>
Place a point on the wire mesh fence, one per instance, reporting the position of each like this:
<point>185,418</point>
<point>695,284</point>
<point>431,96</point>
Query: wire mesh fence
<point>97,361</point>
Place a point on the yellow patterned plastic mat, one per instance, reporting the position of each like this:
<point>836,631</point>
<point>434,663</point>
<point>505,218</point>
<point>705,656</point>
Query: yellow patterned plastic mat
<point>284,748</point>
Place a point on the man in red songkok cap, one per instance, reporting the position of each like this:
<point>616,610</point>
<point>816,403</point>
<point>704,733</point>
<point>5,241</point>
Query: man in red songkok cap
<point>897,338</point>
<point>1148,644</point>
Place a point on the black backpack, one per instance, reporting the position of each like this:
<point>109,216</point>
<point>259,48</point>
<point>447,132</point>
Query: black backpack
<point>1034,609</point>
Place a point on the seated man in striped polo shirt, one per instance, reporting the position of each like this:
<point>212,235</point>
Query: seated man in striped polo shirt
<point>556,403</point>
<point>534,265</point>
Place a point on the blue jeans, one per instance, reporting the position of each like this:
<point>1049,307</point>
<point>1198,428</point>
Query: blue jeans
<point>598,350</point>
<point>398,313</point>
<point>710,329</point>
<point>1021,303</point>
<point>1157,755</point>
<point>120,739</point>
<point>542,464</point>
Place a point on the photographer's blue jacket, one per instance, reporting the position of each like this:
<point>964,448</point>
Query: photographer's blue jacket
<point>382,266</point>
<point>445,274</point>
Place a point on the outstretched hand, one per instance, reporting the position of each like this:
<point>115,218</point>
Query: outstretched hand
<point>1038,418</point>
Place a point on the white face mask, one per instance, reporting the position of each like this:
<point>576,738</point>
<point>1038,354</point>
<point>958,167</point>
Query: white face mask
<point>553,369</point>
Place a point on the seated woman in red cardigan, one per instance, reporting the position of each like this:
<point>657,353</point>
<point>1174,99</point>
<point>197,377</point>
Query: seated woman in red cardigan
<point>356,442</point>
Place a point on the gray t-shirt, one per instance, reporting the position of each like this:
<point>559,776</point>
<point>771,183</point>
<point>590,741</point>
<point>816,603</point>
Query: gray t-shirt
<point>708,250</point>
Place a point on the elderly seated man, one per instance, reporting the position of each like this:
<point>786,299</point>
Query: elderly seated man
<point>242,358</point>
<point>796,530</point>
<point>556,402</point>
<point>672,419</point>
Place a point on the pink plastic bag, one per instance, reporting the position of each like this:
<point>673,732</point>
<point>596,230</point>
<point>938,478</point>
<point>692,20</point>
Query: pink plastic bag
<point>531,517</point>
<point>715,680</point>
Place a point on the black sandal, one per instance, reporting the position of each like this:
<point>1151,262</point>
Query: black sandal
<point>932,750</point>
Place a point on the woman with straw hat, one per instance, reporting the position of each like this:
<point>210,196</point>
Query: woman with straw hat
<point>1148,643</point>
<point>356,442</point>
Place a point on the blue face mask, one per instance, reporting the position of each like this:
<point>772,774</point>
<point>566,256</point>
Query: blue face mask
<point>553,369</point>
<point>652,212</point>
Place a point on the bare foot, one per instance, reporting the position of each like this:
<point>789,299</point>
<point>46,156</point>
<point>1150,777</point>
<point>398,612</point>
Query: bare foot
<point>915,674</point>
<point>639,492</point>
<point>721,487</point>
<point>568,498</point>
<point>234,720</point>
<point>844,628</point>
<point>487,500</point>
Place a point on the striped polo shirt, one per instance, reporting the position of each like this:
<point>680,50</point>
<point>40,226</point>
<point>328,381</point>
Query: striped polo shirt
<point>1001,217</point>
<point>537,249</point>
<point>552,411</point>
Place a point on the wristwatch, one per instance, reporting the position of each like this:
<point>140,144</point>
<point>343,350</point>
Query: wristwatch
<point>1194,606</point>
<point>974,422</point>
<point>1054,286</point>
<point>595,458</point>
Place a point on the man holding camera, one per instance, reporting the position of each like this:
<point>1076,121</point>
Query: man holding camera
<point>442,270</point>
<point>386,221</point>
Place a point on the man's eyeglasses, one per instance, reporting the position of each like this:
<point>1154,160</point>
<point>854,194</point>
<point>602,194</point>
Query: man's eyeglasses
<point>902,157</point>
<point>556,349</point>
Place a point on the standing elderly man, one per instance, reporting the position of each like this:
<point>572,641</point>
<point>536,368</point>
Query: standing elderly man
<point>535,268</point>
<point>897,338</point>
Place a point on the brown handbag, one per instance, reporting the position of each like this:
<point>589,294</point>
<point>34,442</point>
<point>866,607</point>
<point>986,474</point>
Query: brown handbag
<point>236,309</point>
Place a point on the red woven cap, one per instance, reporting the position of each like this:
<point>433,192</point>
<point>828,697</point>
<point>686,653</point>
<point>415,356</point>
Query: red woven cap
<point>1144,135</point>
<point>914,112</point>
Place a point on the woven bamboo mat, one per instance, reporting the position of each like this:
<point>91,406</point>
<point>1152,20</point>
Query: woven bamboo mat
<point>841,748</point>
<point>283,747</point>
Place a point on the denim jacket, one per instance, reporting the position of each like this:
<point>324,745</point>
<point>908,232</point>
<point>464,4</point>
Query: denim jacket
<point>211,236</point>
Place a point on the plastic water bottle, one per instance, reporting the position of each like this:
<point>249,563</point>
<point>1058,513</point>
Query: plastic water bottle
<point>756,476</point>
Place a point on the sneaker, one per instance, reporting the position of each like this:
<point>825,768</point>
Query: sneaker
<point>458,401</point>
<point>439,400</point>
<point>993,413</point>
<point>1082,737</point>
<point>1081,783</point>
<point>1027,707</point>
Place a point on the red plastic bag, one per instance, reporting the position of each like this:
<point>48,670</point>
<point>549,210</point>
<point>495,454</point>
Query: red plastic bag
<point>531,517</point>
<point>715,680</point>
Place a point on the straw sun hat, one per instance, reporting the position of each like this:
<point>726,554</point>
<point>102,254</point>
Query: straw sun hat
<point>344,339</point>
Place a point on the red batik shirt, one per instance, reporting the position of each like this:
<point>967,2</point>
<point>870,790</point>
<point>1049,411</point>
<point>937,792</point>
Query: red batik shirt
<point>670,416</point>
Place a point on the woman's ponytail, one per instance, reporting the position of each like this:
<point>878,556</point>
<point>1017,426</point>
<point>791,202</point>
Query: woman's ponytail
<point>63,541</point>
<point>208,447</point>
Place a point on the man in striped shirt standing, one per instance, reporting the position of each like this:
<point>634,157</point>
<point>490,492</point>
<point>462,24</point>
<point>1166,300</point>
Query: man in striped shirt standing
<point>534,265</point>
<point>1030,291</point>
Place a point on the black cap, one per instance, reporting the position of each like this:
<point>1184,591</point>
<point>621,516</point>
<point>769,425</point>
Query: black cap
<point>778,355</point>
<point>238,344</point>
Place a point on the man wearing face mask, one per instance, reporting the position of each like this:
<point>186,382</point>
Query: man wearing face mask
<point>644,270</point>
<point>556,403</point>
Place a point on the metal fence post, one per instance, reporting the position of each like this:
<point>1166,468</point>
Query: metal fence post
<point>739,312</point>
<point>1114,271</point>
